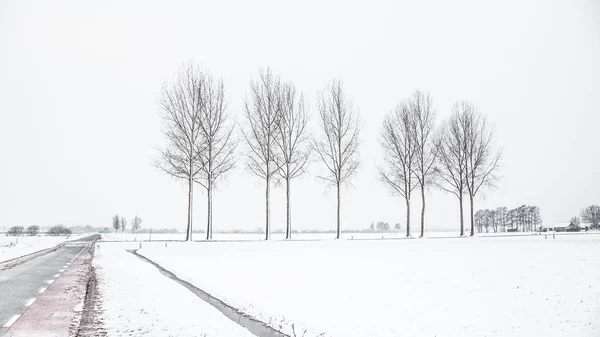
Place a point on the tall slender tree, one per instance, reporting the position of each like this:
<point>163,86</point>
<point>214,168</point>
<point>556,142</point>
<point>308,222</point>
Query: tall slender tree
<point>399,151</point>
<point>262,110</point>
<point>116,222</point>
<point>293,142</point>
<point>123,223</point>
<point>482,161</point>
<point>180,105</point>
<point>451,159</point>
<point>421,107</point>
<point>338,146</point>
<point>217,144</point>
<point>136,223</point>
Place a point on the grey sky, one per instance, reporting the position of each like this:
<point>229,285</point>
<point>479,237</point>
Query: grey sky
<point>79,83</point>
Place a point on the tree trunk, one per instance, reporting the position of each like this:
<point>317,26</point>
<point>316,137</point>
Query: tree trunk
<point>422,211</point>
<point>338,212</point>
<point>288,231</point>
<point>209,227</point>
<point>407,218</point>
<point>462,222</point>
<point>188,236</point>
<point>267,229</point>
<point>472,217</point>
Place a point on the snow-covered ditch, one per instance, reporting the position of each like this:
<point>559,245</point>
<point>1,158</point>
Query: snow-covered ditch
<point>12,247</point>
<point>511,286</point>
<point>137,300</point>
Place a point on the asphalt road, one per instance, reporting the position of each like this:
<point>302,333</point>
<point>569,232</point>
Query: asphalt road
<point>22,284</point>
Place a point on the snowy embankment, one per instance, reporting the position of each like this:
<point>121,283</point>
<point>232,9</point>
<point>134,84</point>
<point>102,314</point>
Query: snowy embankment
<point>137,300</point>
<point>512,286</point>
<point>12,247</point>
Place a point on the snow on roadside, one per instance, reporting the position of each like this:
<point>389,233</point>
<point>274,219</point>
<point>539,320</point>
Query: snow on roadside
<point>12,247</point>
<point>518,286</point>
<point>137,300</point>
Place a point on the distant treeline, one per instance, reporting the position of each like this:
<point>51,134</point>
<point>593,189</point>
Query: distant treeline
<point>522,219</point>
<point>34,230</point>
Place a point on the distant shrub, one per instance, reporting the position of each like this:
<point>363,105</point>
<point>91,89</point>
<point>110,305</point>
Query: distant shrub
<point>33,230</point>
<point>15,231</point>
<point>59,230</point>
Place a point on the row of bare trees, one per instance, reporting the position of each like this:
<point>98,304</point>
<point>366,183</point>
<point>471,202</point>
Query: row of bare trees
<point>276,135</point>
<point>199,132</point>
<point>280,144</point>
<point>200,145</point>
<point>119,222</point>
<point>459,156</point>
<point>523,218</point>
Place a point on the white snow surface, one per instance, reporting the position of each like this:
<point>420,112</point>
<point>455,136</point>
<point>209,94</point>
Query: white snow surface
<point>136,237</point>
<point>499,286</point>
<point>137,300</point>
<point>12,247</point>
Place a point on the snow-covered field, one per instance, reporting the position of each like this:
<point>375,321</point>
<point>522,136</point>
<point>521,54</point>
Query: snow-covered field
<point>137,300</point>
<point>509,286</point>
<point>128,236</point>
<point>242,236</point>
<point>12,247</point>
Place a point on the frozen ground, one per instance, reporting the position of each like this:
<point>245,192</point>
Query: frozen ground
<point>240,236</point>
<point>137,300</point>
<point>512,286</point>
<point>128,236</point>
<point>12,247</point>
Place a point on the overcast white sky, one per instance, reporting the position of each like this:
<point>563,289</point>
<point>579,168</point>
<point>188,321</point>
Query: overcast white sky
<point>79,83</point>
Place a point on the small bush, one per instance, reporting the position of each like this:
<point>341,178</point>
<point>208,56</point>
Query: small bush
<point>15,231</point>
<point>59,230</point>
<point>33,230</point>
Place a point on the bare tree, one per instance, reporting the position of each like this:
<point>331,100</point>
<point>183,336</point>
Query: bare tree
<point>591,214</point>
<point>399,150</point>
<point>217,144</point>
<point>575,221</point>
<point>421,107</point>
<point>536,218</point>
<point>260,132</point>
<point>136,223</point>
<point>116,222</point>
<point>123,223</point>
<point>293,142</point>
<point>338,146</point>
<point>180,104</point>
<point>451,159</point>
<point>33,230</point>
<point>482,161</point>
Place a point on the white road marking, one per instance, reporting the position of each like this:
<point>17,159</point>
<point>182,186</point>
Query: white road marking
<point>42,290</point>
<point>61,270</point>
<point>57,275</point>
<point>30,302</point>
<point>11,321</point>
<point>49,281</point>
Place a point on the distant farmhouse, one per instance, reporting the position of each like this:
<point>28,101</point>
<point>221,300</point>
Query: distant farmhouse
<point>566,227</point>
